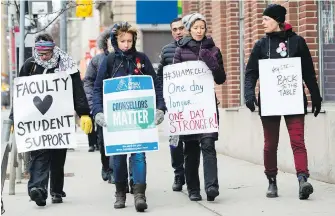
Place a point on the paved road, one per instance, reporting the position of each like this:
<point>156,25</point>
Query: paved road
<point>242,188</point>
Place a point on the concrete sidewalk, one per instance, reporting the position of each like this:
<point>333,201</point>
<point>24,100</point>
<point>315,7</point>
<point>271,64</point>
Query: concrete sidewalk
<point>242,187</point>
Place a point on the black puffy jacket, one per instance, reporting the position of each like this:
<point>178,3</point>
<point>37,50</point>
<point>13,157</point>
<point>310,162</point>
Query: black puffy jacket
<point>167,55</point>
<point>297,47</point>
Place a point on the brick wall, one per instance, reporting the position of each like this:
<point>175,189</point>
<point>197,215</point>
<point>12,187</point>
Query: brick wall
<point>232,65</point>
<point>219,36</point>
<point>223,25</point>
<point>190,7</point>
<point>307,17</point>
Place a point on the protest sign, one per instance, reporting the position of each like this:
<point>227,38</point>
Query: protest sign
<point>44,112</point>
<point>130,109</point>
<point>190,98</point>
<point>281,88</point>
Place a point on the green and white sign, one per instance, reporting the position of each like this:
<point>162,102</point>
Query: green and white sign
<point>130,109</point>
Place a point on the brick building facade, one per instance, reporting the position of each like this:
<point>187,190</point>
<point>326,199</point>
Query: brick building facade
<point>236,25</point>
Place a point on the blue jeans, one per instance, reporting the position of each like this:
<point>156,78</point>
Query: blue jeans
<point>137,166</point>
<point>111,164</point>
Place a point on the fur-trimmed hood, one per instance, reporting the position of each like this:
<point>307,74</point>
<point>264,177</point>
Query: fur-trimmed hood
<point>102,41</point>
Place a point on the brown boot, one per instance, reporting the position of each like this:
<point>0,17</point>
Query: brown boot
<point>139,197</point>
<point>120,195</point>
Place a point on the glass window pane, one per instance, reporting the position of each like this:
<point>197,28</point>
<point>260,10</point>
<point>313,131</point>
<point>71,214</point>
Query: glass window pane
<point>328,47</point>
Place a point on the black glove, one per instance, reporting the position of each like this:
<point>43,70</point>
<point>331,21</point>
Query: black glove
<point>316,105</point>
<point>251,102</point>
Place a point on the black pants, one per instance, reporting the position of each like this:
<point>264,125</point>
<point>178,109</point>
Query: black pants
<point>192,162</point>
<point>104,158</point>
<point>92,137</point>
<point>177,160</point>
<point>44,162</point>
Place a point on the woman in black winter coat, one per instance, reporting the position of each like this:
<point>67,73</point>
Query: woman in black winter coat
<point>197,46</point>
<point>89,79</point>
<point>279,33</point>
<point>126,61</point>
<point>48,58</point>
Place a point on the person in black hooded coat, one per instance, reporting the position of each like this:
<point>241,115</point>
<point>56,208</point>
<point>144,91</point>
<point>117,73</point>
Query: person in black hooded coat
<point>89,79</point>
<point>48,58</point>
<point>278,32</point>
<point>126,61</point>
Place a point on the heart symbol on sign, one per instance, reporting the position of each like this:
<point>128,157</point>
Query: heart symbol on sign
<point>43,106</point>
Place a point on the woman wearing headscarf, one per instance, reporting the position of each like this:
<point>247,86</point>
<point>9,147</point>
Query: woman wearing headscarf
<point>281,42</point>
<point>126,61</point>
<point>48,58</point>
<point>197,46</point>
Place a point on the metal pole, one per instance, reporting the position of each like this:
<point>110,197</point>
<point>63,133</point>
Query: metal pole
<point>63,28</point>
<point>22,33</point>
<point>19,169</point>
<point>5,149</point>
<point>13,165</point>
<point>11,53</point>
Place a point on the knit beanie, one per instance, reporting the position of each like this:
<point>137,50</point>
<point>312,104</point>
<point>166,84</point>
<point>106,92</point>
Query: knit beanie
<point>189,19</point>
<point>276,12</point>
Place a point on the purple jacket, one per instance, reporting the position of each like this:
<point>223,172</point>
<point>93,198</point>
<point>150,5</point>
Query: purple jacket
<point>205,50</point>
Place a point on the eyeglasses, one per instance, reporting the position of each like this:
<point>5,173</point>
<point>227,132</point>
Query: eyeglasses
<point>44,54</point>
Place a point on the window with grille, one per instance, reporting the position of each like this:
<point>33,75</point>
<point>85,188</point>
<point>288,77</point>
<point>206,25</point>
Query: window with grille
<point>327,48</point>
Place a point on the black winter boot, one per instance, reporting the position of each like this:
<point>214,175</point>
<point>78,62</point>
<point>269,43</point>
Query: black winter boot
<point>104,174</point>
<point>120,195</point>
<point>194,195</point>
<point>178,183</point>
<point>139,197</point>
<point>305,188</point>
<point>212,192</point>
<point>56,198</point>
<point>272,189</point>
<point>38,195</point>
<point>63,194</point>
<point>91,149</point>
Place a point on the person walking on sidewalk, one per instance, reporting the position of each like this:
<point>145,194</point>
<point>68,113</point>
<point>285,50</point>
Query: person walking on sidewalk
<point>126,61</point>
<point>92,139</point>
<point>48,58</point>
<point>197,46</point>
<point>278,32</point>
<point>177,153</point>
<point>89,79</point>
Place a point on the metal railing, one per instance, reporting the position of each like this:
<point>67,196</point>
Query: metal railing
<point>9,154</point>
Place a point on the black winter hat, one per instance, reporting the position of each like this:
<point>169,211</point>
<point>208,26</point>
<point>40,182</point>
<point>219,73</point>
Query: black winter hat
<point>276,12</point>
